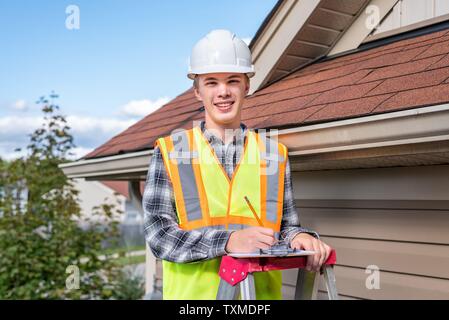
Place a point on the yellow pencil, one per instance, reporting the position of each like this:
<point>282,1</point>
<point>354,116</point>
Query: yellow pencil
<point>253,211</point>
<point>258,219</point>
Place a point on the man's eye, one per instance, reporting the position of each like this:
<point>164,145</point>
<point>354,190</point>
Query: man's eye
<point>210,83</point>
<point>236,81</point>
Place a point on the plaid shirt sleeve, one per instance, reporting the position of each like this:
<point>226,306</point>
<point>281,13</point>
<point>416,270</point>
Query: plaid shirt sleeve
<point>162,233</point>
<point>290,225</point>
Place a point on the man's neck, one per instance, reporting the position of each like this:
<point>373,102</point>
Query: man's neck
<point>225,132</point>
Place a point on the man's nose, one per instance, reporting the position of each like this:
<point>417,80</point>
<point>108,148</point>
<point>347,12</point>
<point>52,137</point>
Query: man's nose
<point>223,90</point>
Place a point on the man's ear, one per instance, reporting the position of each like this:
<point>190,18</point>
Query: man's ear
<point>247,88</point>
<point>197,94</point>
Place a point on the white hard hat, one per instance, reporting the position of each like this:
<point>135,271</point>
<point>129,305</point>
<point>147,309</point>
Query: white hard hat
<point>220,51</point>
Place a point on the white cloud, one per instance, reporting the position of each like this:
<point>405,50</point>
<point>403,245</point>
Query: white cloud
<point>141,108</point>
<point>20,105</point>
<point>8,153</point>
<point>90,125</point>
<point>88,133</point>
<point>12,125</point>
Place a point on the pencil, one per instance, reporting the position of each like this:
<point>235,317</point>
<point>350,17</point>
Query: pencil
<point>253,211</point>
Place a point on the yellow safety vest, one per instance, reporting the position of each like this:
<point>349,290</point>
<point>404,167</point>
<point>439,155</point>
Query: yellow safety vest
<point>205,197</point>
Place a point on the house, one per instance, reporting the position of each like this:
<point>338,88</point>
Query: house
<point>358,90</point>
<point>96,193</point>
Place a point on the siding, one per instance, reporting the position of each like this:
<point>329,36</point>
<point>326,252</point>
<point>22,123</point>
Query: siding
<point>394,218</point>
<point>407,12</point>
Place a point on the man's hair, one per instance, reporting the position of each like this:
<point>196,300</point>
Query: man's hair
<point>196,81</point>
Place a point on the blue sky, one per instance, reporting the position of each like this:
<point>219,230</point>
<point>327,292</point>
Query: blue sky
<point>126,58</point>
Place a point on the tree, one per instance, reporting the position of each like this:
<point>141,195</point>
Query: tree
<point>41,244</point>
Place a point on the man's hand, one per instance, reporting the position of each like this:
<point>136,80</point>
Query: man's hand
<point>305,241</point>
<point>250,239</point>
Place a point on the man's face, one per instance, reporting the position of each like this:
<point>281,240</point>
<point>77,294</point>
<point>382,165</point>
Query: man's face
<point>222,95</point>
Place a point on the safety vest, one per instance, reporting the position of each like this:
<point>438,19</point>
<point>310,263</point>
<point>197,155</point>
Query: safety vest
<point>206,197</point>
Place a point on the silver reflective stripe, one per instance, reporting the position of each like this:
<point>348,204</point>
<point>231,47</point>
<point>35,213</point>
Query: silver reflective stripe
<point>272,157</point>
<point>186,175</point>
<point>183,155</point>
<point>231,227</point>
<point>272,174</point>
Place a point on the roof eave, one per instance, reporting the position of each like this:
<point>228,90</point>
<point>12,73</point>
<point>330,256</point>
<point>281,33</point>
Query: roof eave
<point>130,166</point>
<point>297,34</point>
<point>351,143</point>
<point>384,140</point>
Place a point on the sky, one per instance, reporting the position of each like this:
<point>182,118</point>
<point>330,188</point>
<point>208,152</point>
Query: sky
<point>122,61</point>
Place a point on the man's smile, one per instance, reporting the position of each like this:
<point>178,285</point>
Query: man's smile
<point>224,106</point>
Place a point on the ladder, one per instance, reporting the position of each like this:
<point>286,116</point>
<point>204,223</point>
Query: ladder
<point>236,272</point>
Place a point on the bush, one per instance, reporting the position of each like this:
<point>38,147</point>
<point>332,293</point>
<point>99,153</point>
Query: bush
<point>129,286</point>
<point>42,248</point>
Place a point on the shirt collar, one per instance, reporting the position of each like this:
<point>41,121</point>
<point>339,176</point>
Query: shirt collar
<point>211,138</point>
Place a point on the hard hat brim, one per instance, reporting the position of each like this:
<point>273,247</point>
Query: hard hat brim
<point>221,69</point>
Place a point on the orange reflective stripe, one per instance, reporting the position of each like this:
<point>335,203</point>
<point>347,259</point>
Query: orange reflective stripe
<point>176,182</point>
<point>221,221</point>
<point>244,220</point>
<point>199,180</point>
<point>160,143</point>
<point>273,155</point>
<point>191,225</point>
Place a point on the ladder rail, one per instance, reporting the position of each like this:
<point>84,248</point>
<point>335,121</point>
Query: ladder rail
<point>247,288</point>
<point>306,285</point>
<point>331,282</point>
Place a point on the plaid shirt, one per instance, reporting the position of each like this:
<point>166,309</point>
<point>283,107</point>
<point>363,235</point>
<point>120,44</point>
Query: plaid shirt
<point>167,241</point>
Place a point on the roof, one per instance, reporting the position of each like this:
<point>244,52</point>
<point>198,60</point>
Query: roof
<point>297,33</point>
<point>402,75</point>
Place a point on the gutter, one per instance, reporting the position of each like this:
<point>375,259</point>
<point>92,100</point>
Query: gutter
<point>350,139</point>
<point>128,166</point>
<point>427,124</point>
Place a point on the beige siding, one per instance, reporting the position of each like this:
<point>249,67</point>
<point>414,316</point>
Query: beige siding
<point>394,218</point>
<point>386,224</point>
<point>407,12</point>
<point>351,285</point>
<point>288,292</point>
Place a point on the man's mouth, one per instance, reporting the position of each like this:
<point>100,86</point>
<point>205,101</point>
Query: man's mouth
<point>224,106</point>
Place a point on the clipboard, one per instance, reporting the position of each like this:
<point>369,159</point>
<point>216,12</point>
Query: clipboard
<point>257,254</point>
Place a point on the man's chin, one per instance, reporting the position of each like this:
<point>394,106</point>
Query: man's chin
<point>225,119</point>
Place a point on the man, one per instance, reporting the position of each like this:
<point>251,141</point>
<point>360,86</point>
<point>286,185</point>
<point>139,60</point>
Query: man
<point>194,199</point>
